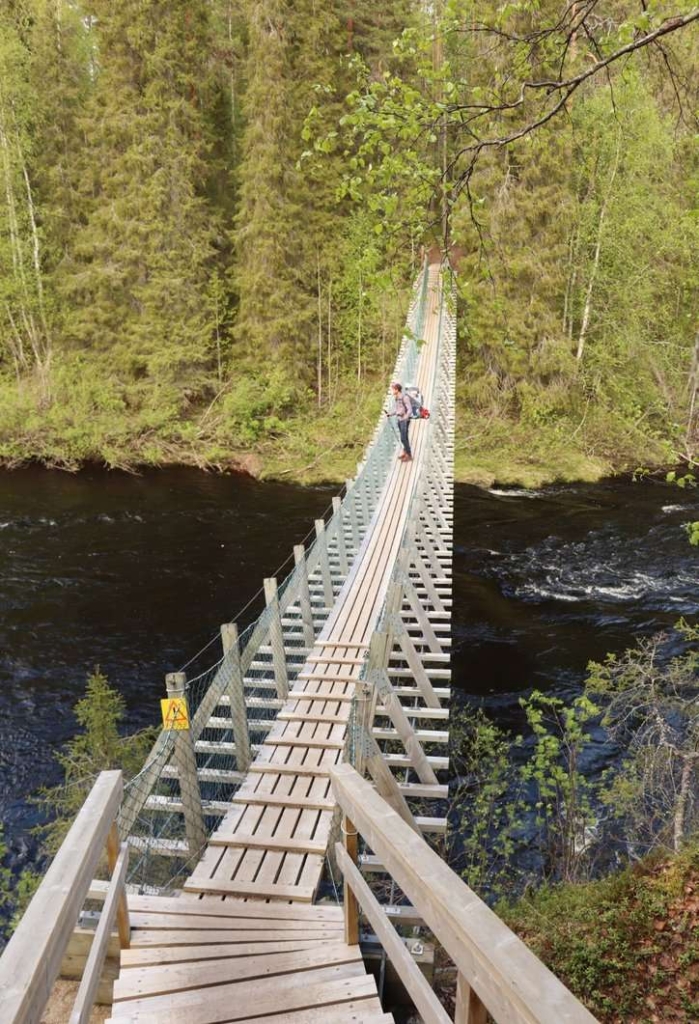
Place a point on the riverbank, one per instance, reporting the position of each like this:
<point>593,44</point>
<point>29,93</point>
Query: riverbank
<point>321,446</point>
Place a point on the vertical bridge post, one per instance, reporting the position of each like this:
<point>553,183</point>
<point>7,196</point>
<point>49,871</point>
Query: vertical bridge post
<point>341,545</point>
<point>309,633</point>
<point>236,696</point>
<point>276,638</point>
<point>468,1009</point>
<point>186,762</point>
<point>350,900</point>
<point>324,562</point>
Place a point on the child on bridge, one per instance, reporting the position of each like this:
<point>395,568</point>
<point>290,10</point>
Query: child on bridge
<point>403,411</point>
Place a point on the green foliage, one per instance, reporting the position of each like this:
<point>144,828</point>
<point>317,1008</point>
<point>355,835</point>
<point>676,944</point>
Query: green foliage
<point>487,807</point>
<point>98,747</point>
<point>209,217</point>
<point>651,712</point>
<point>693,533</point>
<point>563,805</point>
<point>15,892</point>
<point>624,945</point>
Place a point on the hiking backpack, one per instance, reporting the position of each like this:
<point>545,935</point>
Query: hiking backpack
<point>416,400</point>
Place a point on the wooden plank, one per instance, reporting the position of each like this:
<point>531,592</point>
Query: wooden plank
<point>32,959</point>
<point>302,893</point>
<point>300,716</point>
<point>203,920</point>
<point>183,938</point>
<point>341,643</point>
<point>240,1001</point>
<point>114,851</point>
<point>149,981</point>
<point>425,1001</point>
<point>270,843</point>
<point>302,770</point>
<point>366,1011</point>
<point>87,990</point>
<point>184,905</point>
<point>277,800</point>
<point>339,660</point>
<point>146,956</point>
<point>296,741</point>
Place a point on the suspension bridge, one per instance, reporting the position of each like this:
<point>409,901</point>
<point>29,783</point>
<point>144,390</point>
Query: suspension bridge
<point>291,812</point>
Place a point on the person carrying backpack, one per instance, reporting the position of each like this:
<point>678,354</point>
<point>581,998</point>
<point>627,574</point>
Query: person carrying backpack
<point>403,411</point>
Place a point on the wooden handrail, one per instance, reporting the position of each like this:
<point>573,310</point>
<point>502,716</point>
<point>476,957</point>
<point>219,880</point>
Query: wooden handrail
<point>32,959</point>
<point>493,963</point>
<point>418,988</point>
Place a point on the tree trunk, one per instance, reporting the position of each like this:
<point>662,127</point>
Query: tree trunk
<point>320,339</point>
<point>587,309</point>
<point>359,329</point>
<point>681,805</point>
<point>693,385</point>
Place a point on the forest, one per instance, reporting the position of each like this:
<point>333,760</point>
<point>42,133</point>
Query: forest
<point>211,214</point>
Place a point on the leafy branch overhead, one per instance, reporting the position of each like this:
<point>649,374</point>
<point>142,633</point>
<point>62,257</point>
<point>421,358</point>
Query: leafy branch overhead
<point>479,81</point>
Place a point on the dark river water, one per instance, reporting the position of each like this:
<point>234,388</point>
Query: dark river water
<point>135,574</point>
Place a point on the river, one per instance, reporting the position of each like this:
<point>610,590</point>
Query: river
<point>135,574</point>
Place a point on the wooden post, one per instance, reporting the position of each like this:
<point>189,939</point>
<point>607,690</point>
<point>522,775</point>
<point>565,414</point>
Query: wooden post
<point>309,633</point>
<point>362,492</point>
<point>341,549</point>
<point>236,696</point>
<point>276,638</point>
<point>186,762</point>
<point>365,703</point>
<point>468,1008</point>
<point>351,502</point>
<point>122,914</point>
<point>351,905</point>
<point>324,562</point>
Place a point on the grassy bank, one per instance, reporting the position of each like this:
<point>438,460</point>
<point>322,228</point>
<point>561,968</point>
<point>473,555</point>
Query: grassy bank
<point>628,945</point>
<point>302,444</point>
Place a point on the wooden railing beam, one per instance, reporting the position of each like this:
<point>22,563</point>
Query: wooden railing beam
<point>511,982</point>
<point>32,959</point>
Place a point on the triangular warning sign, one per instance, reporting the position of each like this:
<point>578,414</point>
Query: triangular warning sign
<point>175,713</point>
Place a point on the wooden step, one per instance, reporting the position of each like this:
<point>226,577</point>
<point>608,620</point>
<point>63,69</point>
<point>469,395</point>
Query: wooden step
<point>258,890</point>
<point>304,770</point>
<point>174,805</point>
<point>297,741</point>
<point>269,843</point>
<point>307,803</point>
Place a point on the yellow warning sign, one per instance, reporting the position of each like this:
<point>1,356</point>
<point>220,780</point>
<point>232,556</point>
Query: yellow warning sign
<point>175,713</point>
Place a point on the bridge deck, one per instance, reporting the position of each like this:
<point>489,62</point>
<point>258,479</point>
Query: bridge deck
<point>271,845</point>
<point>185,966</point>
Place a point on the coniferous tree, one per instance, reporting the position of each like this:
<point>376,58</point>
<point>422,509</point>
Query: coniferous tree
<point>136,278</point>
<point>24,321</point>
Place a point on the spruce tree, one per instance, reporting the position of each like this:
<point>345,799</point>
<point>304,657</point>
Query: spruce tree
<point>137,273</point>
<point>25,334</point>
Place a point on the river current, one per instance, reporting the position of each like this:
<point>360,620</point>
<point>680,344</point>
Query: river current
<point>135,574</point>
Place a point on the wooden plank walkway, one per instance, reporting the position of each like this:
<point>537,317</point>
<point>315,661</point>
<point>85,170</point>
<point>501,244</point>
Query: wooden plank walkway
<point>247,911</point>
<point>238,961</point>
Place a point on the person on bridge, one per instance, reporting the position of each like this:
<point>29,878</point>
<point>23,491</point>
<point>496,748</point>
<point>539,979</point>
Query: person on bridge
<point>403,411</point>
